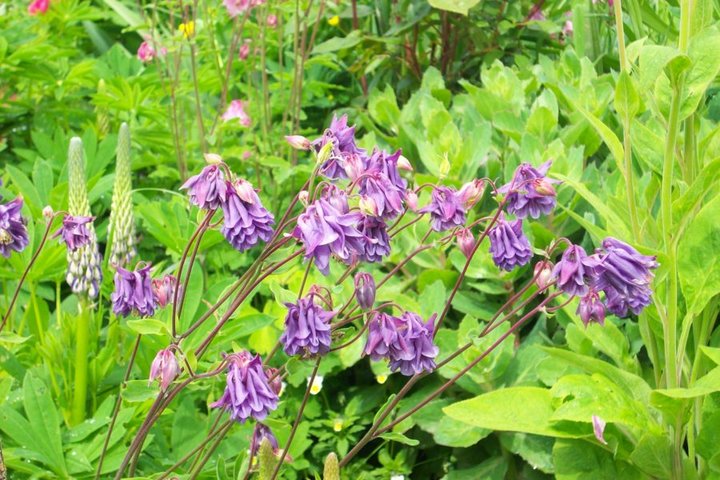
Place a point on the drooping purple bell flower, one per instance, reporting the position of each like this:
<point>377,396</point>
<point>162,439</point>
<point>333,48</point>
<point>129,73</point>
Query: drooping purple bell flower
<point>246,221</point>
<point>307,328</point>
<point>530,192</point>
<point>365,290</point>
<point>247,393</point>
<point>383,336</point>
<point>387,198</point>
<point>446,209</point>
<point>343,140</point>
<point>164,290</point>
<point>73,232</point>
<point>208,189</point>
<point>164,368</point>
<point>133,292</point>
<point>327,227</point>
<point>625,275</point>
<point>509,246</point>
<point>387,165</point>
<point>574,271</point>
<point>13,232</point>
<point>377,243</point>
<point>591,308</point>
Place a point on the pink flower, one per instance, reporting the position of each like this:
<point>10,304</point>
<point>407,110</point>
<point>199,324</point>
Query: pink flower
<point>236,109</point>
<point>38,6</point>
<point>244,51</point>
<point>236,7</point>
<point>146,52</point>
<point>164,368</point>
<point>536,14</point>
<point>567,29</point>
<point>272,21</point>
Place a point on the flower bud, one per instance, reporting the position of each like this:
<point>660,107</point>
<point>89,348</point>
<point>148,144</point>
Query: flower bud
<point>276,383</point>
<point>354,167</point>
<point>245,190</point>
<point>48,212</point>
<point>298,142</point>
<point>543,274</point>
<point>591,308</point>
<point>244,51</point>
<point>272,20</point>
<point>325,153</point>
<point>368,206</point>
<point>411,199</point>
<point>472,192</point>
<point>164,290</point>
<point>213,158</point>
<point>164,368</point>
<point>365,290</point>
<point>404,164</point>
<point>304,196</point>
<point>543,187</point>
<point>466,242</point>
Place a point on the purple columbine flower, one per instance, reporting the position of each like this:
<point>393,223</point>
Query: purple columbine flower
<point>164,368</point>
<point>13,233</point>
<point>625,276</point>
<point>343,140</point>
<point>164,290</point>
<point>383,336</point>
<point>208,189</point>
<point>307,328</point>
<point>246,220</point>
<point>133,292</point>
<point>74,232</point>
<point>591,308</point>
<point>328,227</point>
<point>365,290</point>
<point>508,244</point>
<point>377,243</point>
<point>247,393</point>
<point>387,165</point>
<point>530,192</point>
<point>262,432</point>
<point>574,270</point>
<point>387,198</point>
<point>446,209</point>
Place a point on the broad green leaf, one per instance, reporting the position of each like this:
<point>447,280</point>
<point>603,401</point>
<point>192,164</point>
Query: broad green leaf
<point>627,100</point>
<point>147,326</point>
<point>580,460</point>
<point>44,421</point>
<point>699,258</point>
<point>607,135</point>
<point>446,430</point>
<point>705,67</point>
<point>654,59</point>
<point>193,294</point>
<point>400,438</point>
<point>338,43</point>
<point>653,455</point>
<point>457,6</point>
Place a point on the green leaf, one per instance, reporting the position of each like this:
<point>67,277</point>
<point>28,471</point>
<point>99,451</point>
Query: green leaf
<point>607,135</point>
<point>653,455</point>
<point>705,67</point>
<point>579,460</point>
<point>44,421</point>
<point>627,100</point>
<point>457,6</point>
<point>147,326</point>
<point>338,43</point>
<point>400,438</point>
<point>699,258</point>
<point>193,295</point>
<point>446,430</point>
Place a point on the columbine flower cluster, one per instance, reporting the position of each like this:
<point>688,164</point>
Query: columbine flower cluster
<point>307,327</point>
<point>13,232</point>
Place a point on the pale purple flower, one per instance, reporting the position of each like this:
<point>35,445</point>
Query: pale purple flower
<point>471,192</point>
<point>466,242</point>
<point>133,292</point>
<point>599,429</point>
<point>208,189</point>
<point>574,270</point>
<point>411,199</point>
<point>446,209</point>
<point>327,227</point>
<point>343,139</point>
<point>377,241</point>
<point>307,328</point>
<point>591,308</point>
<point>536,13</point>
<point>530,193</point>
<point>388,165</point>
<point>246,221</point>
<point>625,276</point>
<point>272,21</point>
<point>388,198</point>
<point>247,392</point>
<point>73,232</point>
<point>383,336</point>
<point>365,290</point>
<point>236,109</point>
<point>298,142</point>
<point>543,274</point>
<point>13,232</point>
<point>236,7</point>
<point>164,368</point>
<point>509,246</point>
<point>164,290</point>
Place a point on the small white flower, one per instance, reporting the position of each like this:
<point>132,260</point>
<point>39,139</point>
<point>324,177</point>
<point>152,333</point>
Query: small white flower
<point>397,477</point>
<point>316,384</point>
<point>338,424</point>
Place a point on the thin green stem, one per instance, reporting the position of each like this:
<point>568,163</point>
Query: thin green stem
<point>82,340</point>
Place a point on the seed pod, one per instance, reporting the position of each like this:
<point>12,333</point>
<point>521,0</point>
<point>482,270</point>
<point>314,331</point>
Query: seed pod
<point>332,467</point>
<point>122,223</point>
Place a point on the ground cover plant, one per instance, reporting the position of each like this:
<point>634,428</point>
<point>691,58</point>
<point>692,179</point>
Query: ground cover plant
<point>388,239</point>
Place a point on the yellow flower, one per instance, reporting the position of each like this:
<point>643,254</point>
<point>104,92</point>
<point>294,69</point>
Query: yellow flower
<point>187,29</point>
<point>381,379</point>
<point>334,21</point>
<point>338,424</point>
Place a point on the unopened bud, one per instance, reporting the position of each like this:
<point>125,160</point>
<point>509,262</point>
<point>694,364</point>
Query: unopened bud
<point>164,368</point>
<point>411,199</point>
<point>472,192</point>
<point>404,164</point>
<point>304,196</point>
<point>213,158</point>
<point>543,187</point>
<point>245,190</point>
<point>543,274</point>
<point>368,206</point>
<point>466,242</point>
<point>354,167</point>
<point>365,290</point>
<point>48,212</point>
<point>298,142</point>
<point>331,469</point>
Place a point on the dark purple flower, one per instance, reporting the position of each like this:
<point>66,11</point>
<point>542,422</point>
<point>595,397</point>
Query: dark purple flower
<point>625,276</point>
<point>446,209</point>
<point>383,336</point>
<point>262,432</point>
<point>377,242</point>
<point>386,164</point>
<point>591,308</point>
<point>365,290</point>
<point>247,393</point>
<point>164,368</point>
<point>574,271</point>
<point>307,328</point>
<point>343,139</point>
<point>164,290</point>
<point>530,192</point>
<point>328,227</point>
<point>387,198</point>
<point>508,244</point>
<point>133,292</point>
<point>208,189</point>
<point>74,232</point>
<point>13,233</point>
<point>246,220</point>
